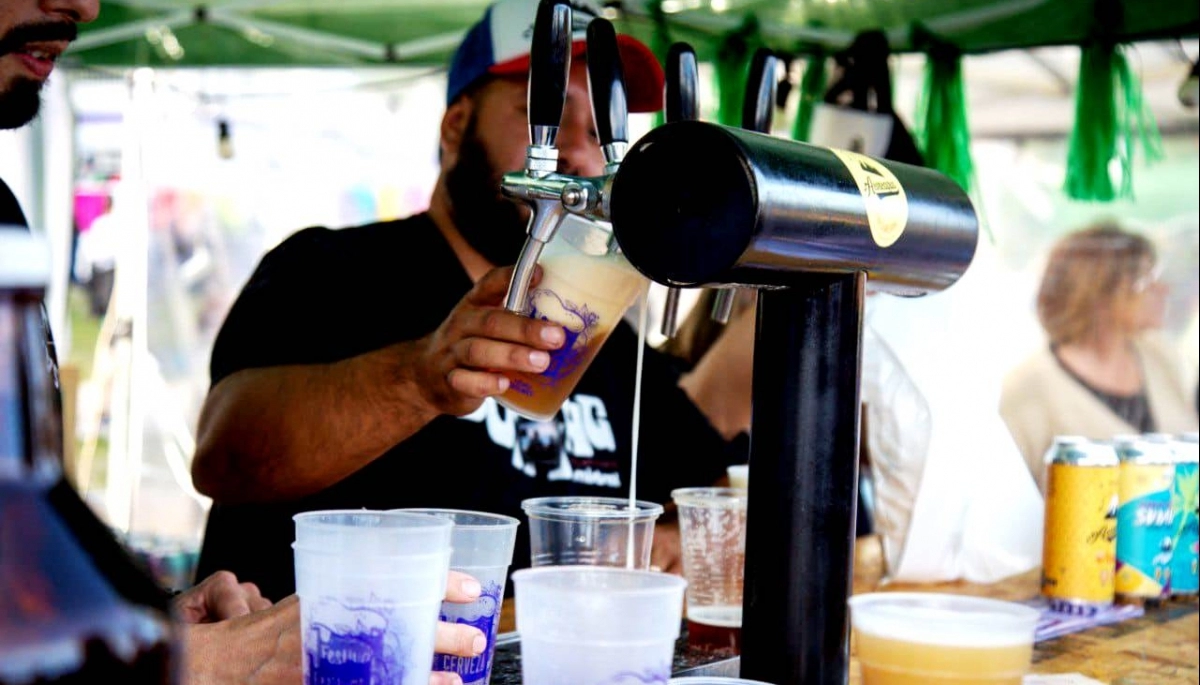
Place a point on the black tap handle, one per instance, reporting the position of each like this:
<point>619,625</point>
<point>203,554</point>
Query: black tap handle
<point>761,86</point>
<point>549,63</point>
<point>683,75</point>
<point>606,82</point>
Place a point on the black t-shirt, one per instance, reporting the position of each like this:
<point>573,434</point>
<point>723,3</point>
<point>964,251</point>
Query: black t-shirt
<point>325,295</point>
<point>10,209</point>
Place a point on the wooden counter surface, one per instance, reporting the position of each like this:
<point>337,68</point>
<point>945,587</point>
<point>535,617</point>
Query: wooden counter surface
<point>1160,648</point>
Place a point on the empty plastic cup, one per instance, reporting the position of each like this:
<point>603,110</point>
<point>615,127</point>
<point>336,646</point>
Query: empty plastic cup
<point>915,638</point>
<point>712,536</point>
<point>482,547</point>
<point>597,531</point>
<point>595,624</point>
<point>370,585</point>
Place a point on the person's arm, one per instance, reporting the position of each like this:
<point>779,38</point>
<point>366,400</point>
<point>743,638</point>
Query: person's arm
<point>720,382</point>
<point>281,432</point>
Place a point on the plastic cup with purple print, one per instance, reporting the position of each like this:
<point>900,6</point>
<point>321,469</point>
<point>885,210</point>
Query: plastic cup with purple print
<point>482,547</point>
<point>713,680</point>
<point>596,531</point>
<point>370,584</point>
<point>587,285</point>
<point>596,625</point>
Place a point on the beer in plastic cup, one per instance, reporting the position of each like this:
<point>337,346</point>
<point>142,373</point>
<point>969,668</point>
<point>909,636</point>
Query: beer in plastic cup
<point>712,531</point>
<point>739,475</point>
<point>370,585</point>
<point>595,624</point>
<point>596,531</point>
<point>483,548</point>
<point>920,638</point>
<point>586,286</point>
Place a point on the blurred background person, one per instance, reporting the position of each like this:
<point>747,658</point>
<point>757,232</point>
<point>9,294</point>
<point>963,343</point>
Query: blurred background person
<point>96,259</point>
<point>1106,368</point>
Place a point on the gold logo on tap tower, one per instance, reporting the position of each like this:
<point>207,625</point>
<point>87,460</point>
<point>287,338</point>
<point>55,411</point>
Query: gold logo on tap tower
<point>884,197</point>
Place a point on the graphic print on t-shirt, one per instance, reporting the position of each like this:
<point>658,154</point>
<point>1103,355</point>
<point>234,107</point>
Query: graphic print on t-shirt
<point>577,445</point>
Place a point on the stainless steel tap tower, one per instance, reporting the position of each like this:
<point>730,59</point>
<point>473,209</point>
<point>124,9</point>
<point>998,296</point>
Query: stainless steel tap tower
<point>697,204</point>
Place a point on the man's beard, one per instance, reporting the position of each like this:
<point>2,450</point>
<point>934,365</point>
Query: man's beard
<point>19,103</point>
<point>490,223</point>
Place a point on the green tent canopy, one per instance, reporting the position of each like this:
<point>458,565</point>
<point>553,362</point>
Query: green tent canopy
<point>163,33</point>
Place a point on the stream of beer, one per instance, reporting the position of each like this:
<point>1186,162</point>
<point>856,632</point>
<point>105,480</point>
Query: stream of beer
<point>637,415</point>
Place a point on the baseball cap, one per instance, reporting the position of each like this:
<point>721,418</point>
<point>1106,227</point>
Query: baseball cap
<point>499,45</point>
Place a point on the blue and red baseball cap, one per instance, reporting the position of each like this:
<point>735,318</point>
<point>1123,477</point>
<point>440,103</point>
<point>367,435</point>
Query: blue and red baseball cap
<point>499,45</point>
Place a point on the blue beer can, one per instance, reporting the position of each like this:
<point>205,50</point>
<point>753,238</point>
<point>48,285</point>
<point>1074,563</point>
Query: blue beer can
<point>1185,503</point>
<point>1145,535</point>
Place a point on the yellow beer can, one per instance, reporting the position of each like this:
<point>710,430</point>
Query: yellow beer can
<point>1080,543</point>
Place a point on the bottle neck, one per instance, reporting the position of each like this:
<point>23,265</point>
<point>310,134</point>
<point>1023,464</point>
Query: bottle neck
<point>30,408</point>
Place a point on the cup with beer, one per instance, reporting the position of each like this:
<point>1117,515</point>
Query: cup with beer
<point>596,531</point>
<point>917,638</point>
<point>482,547</point>
<point>596,624</point>
<point>712,532</point>
<point>370,585</point>
<point>586,287</point>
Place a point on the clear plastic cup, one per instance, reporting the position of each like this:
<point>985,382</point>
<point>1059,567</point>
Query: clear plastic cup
<point>370,585</point>
<point>483,547</point>
<point>596,531</point>
<point>595,624</point>
<point>739,475</point>
<point>714,680</point>
<point>915,638</point>
<point>712,534</point>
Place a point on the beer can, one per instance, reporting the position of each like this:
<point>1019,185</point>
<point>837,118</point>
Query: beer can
<point>1145,540</point>
<point>1185,502</point>
<point>1079,547</point>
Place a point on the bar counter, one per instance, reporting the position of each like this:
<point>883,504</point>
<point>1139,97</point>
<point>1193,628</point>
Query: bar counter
<point>1161,647</point>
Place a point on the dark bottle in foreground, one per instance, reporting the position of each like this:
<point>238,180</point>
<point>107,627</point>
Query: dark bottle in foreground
<point>74,606</point>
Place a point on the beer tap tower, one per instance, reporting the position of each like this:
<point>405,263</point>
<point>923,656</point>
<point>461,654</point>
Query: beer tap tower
<point>696,204</point>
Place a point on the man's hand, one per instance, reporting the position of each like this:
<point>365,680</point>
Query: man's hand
<point>463,362</point>
<point>217,598</point>
<point>260,648</point>
<point>666,552</point>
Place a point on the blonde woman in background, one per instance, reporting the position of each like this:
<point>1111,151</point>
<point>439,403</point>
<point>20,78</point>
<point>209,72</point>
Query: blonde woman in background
<point>1106,369</point>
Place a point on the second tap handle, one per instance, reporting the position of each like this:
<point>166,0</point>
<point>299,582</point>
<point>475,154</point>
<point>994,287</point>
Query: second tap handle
<point>549,69</point>
<point>681,101</point>
<point>606,83</point>
<point>761,86</point>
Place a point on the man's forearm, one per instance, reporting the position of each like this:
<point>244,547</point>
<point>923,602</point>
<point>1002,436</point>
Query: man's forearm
<point>288,431</point>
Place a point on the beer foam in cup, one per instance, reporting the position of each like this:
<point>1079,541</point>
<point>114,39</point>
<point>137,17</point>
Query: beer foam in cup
<point>942,619</point>
<point>604,285</point>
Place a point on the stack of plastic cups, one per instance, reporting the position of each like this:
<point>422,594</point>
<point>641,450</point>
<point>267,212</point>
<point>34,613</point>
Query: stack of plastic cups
<point>483,548</point>
<point>370,584</point>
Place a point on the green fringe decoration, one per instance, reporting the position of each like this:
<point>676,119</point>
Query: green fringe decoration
<point>812,91</point>
<point>941,130</point>
<point>1111,117</point>
<point>732,68</point>
<point>660,44</point>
